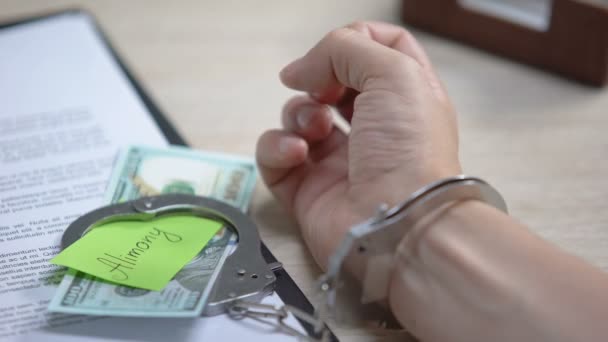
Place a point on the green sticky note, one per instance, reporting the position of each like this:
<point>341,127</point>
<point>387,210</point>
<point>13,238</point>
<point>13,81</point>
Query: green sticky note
<point>144,254</point>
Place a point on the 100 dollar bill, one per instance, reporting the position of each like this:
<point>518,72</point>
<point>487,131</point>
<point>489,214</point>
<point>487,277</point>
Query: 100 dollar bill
<point>142,171</point>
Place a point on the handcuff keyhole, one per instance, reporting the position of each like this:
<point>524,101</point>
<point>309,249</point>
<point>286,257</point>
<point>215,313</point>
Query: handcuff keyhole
<point>254,276</point>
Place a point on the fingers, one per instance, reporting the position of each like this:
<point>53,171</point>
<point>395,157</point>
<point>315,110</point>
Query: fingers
<point>308,118</point>
<point>284,156</point>
<point>350,57</point>
<point>343,58</point>
<point>279,155</point>
<point>312,121</point>
<point>278,151</point>
<point>403,41</point>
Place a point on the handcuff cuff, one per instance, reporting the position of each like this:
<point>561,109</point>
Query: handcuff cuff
<point>246,278</point>
<point>373,243</point>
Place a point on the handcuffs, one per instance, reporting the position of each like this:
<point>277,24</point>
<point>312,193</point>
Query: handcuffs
<point>245,274</point>
<point>246,278</point>
<point>373,243</point>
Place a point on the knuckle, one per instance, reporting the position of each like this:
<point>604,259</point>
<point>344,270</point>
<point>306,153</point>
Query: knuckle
<point>339,34</point>
<point>406,65</point>
<point>358,25</point>
<point>400,74</point>
<point>406,35</point>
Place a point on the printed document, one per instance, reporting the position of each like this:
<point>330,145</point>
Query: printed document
<point>65,110</point>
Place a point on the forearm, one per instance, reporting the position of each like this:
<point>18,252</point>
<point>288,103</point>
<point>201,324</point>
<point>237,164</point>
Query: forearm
<point>475,274</point>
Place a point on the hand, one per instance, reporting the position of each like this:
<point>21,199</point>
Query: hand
<point>403,131</point>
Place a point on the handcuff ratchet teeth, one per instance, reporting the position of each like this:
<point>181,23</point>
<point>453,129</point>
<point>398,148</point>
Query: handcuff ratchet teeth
<point>245,275</point>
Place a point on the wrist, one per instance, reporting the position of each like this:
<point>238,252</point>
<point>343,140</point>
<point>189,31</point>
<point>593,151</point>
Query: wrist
<point>437,262</point>
<point>373,243</point>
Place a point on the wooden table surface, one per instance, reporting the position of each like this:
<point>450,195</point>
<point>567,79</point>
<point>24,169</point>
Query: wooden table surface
<point>212,67</point>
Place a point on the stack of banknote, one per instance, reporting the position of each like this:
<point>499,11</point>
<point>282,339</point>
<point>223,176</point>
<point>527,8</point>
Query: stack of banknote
<point>144,171</point>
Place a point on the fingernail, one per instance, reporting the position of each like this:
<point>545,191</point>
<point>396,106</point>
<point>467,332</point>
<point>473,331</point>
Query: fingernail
<point>304,116</point>
<point>286,144</point>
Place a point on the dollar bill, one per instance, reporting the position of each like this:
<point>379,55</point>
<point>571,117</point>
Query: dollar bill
<point>144,171</point>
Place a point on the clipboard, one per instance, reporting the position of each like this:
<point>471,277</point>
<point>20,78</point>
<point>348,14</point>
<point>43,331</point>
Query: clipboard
<point>573,42</point>
<point>286,288</point>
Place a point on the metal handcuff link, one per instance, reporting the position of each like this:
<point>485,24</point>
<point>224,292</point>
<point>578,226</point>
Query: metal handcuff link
<point>246,278</point>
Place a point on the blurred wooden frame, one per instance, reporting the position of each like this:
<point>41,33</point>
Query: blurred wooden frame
<point>575,45</point>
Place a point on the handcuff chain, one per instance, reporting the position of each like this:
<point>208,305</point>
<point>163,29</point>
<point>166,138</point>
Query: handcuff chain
<point>277,315</point>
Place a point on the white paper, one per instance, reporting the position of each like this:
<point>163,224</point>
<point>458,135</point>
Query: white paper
<point>65,109</point>
<point>535,14</point>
